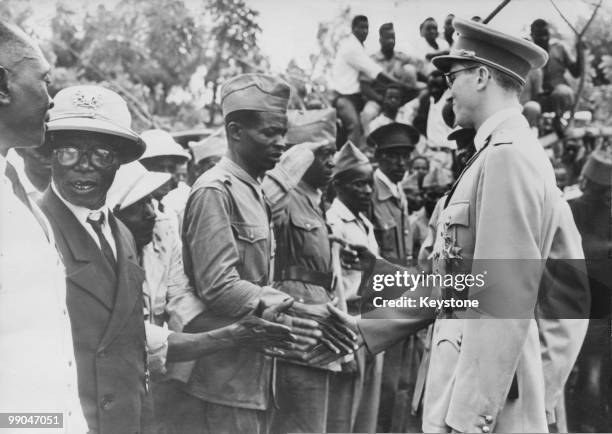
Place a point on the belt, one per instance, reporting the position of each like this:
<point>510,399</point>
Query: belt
<point>319,278</point>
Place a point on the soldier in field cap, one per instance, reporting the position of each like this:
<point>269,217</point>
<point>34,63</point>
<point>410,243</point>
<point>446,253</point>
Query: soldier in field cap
<point>229,253</point>
<point>489,375</point>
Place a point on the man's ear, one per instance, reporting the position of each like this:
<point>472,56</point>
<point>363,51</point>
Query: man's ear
<point>484,76</point>
<point>234,131</point>
<point>5,97</point>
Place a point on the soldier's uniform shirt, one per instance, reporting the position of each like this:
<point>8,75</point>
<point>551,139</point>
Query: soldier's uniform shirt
<point>390,220</point>
<point>356,230</point>
<point>228,253</point>
<point>505,206</point>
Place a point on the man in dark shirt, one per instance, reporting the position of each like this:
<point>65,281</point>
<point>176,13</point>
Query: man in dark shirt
<point>594,221</point>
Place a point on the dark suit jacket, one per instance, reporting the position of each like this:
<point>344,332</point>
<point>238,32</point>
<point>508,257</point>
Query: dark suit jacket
<point>106,312</point>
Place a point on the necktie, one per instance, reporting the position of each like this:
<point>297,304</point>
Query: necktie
<point>96,220</point>
<point>11,174</point>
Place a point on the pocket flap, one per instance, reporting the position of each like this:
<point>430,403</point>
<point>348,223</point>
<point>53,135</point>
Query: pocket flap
<point>458,213</point>
<point>250,233</point>
<point>305,223</point>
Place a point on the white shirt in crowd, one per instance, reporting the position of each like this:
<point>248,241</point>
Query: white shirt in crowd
<point>37,365</point>
<point>351,60</point>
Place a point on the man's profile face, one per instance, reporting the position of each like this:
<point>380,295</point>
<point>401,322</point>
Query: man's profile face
<point>140,220</point>
<point>83,184</point>
<point>29,103</point>
<point>360,30</point>
<point>262,142</point>
<point>319,173</point>
<point>464,93</point>
<point>387,41</point>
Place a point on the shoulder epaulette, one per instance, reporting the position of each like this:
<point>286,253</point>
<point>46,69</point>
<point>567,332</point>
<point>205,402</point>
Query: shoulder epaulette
<point>501,137</point>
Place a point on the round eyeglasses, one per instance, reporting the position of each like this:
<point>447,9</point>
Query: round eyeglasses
<point>450,76</point>
<point>99,158</point>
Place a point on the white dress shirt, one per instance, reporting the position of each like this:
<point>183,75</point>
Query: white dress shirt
<point>37,366</point>
<point>81,213</point>
<point>351,61</point>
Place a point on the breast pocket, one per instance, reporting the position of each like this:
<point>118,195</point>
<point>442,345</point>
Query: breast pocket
<point>386,236</point>
<point>254,251</point>
<point>308,231</point>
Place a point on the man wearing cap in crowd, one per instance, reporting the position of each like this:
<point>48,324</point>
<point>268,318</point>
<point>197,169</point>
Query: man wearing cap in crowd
<point>303,267</point>
<point>393,143</point>
<point>493,374</point>
<point>90,137</point>
<point>163,154</point>
<point>38,369</point>
<point>354,392</point>
<point>170,302</point>
<point>229,252</point>
<point>206,153</point>
<point>591,397</point>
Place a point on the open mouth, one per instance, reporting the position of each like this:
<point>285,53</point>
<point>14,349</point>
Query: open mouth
<point>83,186</point>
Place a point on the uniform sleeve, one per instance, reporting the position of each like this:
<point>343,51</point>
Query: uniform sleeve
<point>508,213</point>
<point>182,304</point>
<point>214,257</point>
<point>356,57</point>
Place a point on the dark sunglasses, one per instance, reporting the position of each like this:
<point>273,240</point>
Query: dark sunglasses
<point>99,158</point>
<point>450,76</point>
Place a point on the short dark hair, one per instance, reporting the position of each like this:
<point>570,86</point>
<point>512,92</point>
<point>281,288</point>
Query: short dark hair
<point>539,24</point>
<point>419,157</point>
<point>243,117</point>
<point>427,20</point>
<point>386,27</point>
<point>506,82</point>
<point>357,19</point>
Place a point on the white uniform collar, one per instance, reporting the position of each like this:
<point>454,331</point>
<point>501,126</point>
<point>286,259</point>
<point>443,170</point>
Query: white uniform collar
<point>492,122</point>
<point>393,188</point>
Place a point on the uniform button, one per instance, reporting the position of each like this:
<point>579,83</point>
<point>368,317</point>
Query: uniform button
<point>107,402</point>
<point>307,225</point>
<point>405,232</point>
<point>485,429</point>
<point>301,300</point>
<point>488,419</point>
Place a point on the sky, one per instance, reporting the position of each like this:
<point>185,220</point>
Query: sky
<point>289,26</point>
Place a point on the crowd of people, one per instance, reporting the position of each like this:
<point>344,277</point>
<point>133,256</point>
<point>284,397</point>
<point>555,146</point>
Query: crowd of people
<point>222,287</point>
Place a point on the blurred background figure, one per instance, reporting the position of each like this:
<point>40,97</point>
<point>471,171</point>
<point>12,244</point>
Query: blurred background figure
<point>33,167</point>
<point>206,153</point>
<point>449,30</point>
<point>430,44</point>
<point>164,155</point>
<point>590,387</point>
<point>557,96</point>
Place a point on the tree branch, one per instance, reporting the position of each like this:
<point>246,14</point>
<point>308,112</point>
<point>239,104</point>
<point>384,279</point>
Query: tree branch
<point>588,23</point>
<point>564,18</point>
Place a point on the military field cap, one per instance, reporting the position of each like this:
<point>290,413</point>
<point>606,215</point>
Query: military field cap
<point>311,126</point>
<point>393,135</point>
<point>598,168</point>
<point>349,157</point>
<point>480,43</point>
<point>98,110</point>
<point>160,143</point>
<point>386,27</point>
<point>259,92</point>
<point>133,182</point>
<point>213,146</point>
